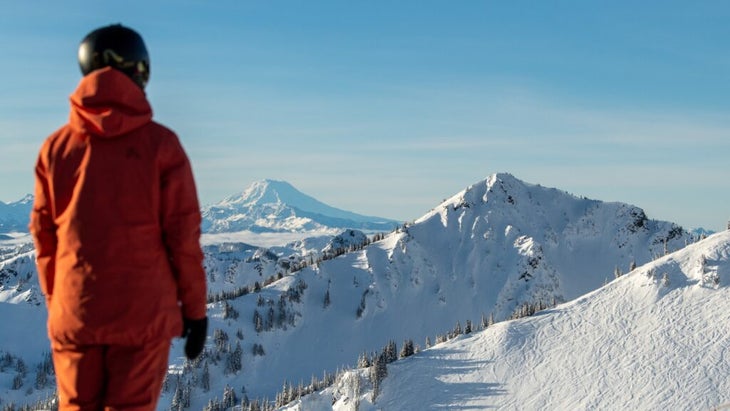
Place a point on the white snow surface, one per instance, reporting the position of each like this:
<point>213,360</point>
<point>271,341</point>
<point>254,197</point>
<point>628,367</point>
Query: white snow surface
<point>496,245</point>
<point>654,339</point>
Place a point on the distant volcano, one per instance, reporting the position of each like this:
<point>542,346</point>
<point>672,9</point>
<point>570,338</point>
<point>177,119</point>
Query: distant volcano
<point>276,206</point>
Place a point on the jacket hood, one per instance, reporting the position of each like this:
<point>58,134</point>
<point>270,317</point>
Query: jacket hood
<point>107,103</point>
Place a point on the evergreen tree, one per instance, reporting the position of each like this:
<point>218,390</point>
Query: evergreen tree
<point>258,322</point>
<point>457,329</point>
<point>483,324</point>
<point>258,349</point>
<point>378,372</point>
<point>177,398</point>
<point>213,405</point>
<point>220,340</point>
<point>270,319</point>
<point>390,352</point>
<point>20,367</point>
<point>234,362</point>
<point>229,397</point>
<point>41,379</point>
<point>407,349</point>
<point>17,382</point>
<point>229,311</point>
<point>205,378</point>
<point>363,361</point>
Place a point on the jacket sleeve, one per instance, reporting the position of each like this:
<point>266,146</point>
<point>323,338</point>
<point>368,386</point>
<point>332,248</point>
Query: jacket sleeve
<point>180,220</point>
<point>43,229</point>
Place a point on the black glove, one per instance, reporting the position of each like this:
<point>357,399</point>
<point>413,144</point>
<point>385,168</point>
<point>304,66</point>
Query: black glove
<point>195,332</point>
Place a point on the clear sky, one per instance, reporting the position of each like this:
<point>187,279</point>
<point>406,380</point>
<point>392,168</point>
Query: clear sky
<point>387,107</point>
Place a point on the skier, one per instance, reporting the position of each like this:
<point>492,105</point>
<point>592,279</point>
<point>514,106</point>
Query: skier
<point>116,225</point>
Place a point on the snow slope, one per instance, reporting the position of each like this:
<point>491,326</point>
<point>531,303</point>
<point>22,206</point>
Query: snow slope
<point>654,339</point>
<point>491,248</point>
<point>495,246</point>
<point>275,206</point>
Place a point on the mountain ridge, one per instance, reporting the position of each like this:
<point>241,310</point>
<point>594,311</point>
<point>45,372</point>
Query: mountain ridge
<point>490,249</point>
<point>651,339</point>
<point>14,216</point>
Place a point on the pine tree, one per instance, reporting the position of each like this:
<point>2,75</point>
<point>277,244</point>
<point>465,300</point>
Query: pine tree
<point>20,367</point>
<point>17,382</point>
<point>234,362</point>
<point>213,405</point>
<point>457,329</point>
<point>229,311</point>
<point>378,372</point>
<point>258,322</point>
<point>483,322</point>
<point>363,361</point>
<point>41,379</point>
<point>407,349</point>
<point>270,319</point>
<point>390,352</point>
<point>205,378</point>
<point>177,398</point>
<point>220,341</point>
<point>229,397</point>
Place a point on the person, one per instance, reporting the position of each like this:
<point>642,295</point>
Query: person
<point>116,226</point>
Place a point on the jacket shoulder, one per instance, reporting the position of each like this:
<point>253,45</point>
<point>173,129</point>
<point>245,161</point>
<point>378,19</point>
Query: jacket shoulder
<point>161,130</point>
<point>59,138</point>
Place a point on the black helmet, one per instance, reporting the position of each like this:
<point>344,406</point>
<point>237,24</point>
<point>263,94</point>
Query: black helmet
<point>119,47</point>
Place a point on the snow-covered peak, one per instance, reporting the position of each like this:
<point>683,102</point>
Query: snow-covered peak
<point>655,338</point>
<point>269,192</point>
<point>271,205</point>
<point>493,248</point>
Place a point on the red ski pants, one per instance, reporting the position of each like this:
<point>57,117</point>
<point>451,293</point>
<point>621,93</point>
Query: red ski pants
<point>110,377</point>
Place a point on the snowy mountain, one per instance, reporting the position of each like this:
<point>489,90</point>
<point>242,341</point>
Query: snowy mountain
<point>266,206</point>
<point>654,339</point>
<point>286,314</point>
<point>275,206</point>
<point>14,217</point>
<point>495,247</point>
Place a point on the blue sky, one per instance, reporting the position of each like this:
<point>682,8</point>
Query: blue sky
<point>388,107</point>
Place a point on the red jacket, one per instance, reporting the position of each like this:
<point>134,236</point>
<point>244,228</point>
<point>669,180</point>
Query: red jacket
<point>116,221</point>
